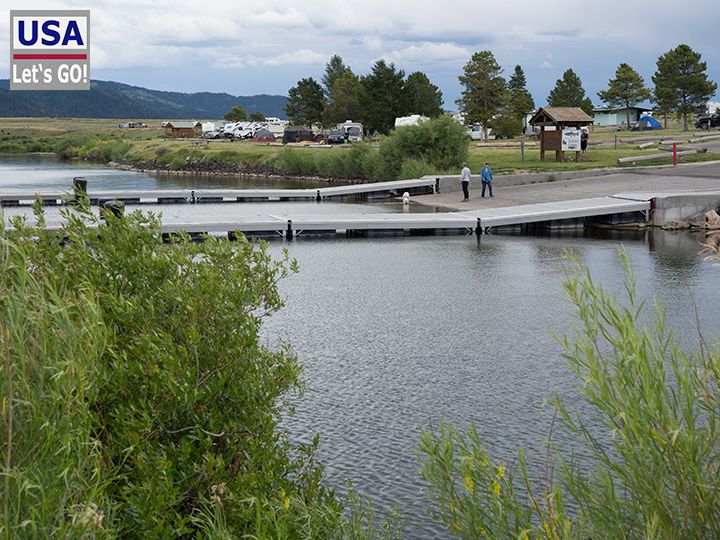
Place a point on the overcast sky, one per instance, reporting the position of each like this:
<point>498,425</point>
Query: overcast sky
<point>264,46</point>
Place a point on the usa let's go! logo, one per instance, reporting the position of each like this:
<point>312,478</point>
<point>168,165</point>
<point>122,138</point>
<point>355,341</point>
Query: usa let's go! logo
<point>50,50</point>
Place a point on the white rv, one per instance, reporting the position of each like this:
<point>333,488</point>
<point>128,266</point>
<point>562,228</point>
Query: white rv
<point>353,130</point>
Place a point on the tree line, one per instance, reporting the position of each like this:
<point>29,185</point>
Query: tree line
<point>681,88</point>
<point>375,99</point>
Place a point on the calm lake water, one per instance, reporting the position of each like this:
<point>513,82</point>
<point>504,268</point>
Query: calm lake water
<point>400,334</point>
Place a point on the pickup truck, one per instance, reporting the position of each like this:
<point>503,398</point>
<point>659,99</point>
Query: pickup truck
<point>707,122</point>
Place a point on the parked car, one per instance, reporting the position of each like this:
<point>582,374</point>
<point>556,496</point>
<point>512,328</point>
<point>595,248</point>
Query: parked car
<point>707,122</point>
<point>335,137</point>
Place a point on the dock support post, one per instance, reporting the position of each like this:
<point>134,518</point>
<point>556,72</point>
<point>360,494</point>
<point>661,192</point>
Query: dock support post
<point>317,196</point>
<point>288,232</point>
<point>437,185</point>
<point>478,227</point>
<point>192,197</point>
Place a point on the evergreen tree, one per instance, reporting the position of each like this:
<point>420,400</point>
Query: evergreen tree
<point>236,114</point>
<point>384,97</point>
<point>306,102</point>
<point>346,100</point>
<point>520,102</point>
<point>485,90</point>
<point>626,89</point>
<point>423,97</point>
<point>681,82</point>
<point>334,69</point>
<point>568,92</point>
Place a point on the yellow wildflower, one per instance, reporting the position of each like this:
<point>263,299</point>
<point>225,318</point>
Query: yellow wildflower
<point>484,462</point>
<point>496,488</point>
<point>282,493</point>
<point>286,503</point>
<point>501,471</point>
<point>483,532</point>
<point>457,526</point>
<point>469,484</point>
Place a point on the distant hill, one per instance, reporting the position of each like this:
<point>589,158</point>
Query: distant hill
<point>107,99</point>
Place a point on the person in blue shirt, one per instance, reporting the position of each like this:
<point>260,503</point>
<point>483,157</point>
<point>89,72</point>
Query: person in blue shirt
<point>486,176</point>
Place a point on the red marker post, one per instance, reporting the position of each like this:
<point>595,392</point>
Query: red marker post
<point>674,154</point>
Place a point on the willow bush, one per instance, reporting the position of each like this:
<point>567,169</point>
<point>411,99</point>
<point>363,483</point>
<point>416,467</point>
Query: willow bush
<point>653,436</point>
<point>138,399</point>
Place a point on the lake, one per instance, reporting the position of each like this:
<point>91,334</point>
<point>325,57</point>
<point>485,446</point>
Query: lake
<point>400,334</point>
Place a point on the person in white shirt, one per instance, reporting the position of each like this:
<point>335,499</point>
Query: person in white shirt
<point>465,180</point>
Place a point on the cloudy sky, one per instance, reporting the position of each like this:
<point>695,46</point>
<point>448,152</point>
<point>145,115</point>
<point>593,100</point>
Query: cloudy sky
<point>264,46</point>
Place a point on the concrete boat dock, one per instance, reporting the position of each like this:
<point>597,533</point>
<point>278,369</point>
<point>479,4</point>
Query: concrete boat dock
<point>610,197</point>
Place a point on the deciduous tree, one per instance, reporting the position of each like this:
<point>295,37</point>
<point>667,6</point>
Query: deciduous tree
<point>626,89</point>
<point>346,100</point>
<point>568,92</point>
<point>306,102</point>
<point>236,114</point>
<point>681,82</point>
<point>257,116</point>
<point>485,89</point>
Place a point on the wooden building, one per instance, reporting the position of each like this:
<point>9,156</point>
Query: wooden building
<point>183,130</point>
<point>557,125</point>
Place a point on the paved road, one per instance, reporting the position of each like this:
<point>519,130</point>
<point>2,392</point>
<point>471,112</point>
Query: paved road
<point>690,177</point>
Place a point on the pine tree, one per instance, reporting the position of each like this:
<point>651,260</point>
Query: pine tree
<point>334,69</point>
<point>626,89</point>
<point>384,97</point>
<point>306,102</point>
<point>568,92</point>
<point>521,102</point>
<point>681,82</point>
<point>423,97</point>
<point>485,90</point>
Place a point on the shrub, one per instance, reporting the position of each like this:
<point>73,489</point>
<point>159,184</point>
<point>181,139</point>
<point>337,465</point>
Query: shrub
<point>440,142</point>
<point>414,168</point>
<point>506,126</point>
<point>332,162</point>
<point>111,150</point>
<point>653,444</point>
<point>137,372</point>
<point>51,344</point>
<point>295,161</point>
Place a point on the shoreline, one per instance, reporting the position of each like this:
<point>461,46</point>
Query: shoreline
<point>129,166</point>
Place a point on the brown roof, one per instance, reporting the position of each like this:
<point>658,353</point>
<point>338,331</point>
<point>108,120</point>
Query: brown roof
<point>561,115</point>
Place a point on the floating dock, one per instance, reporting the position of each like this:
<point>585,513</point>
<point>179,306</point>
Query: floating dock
<point>608,210</point>
<point>196,196</point>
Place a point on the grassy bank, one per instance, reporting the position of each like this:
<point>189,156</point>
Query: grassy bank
<point>103,141</point>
